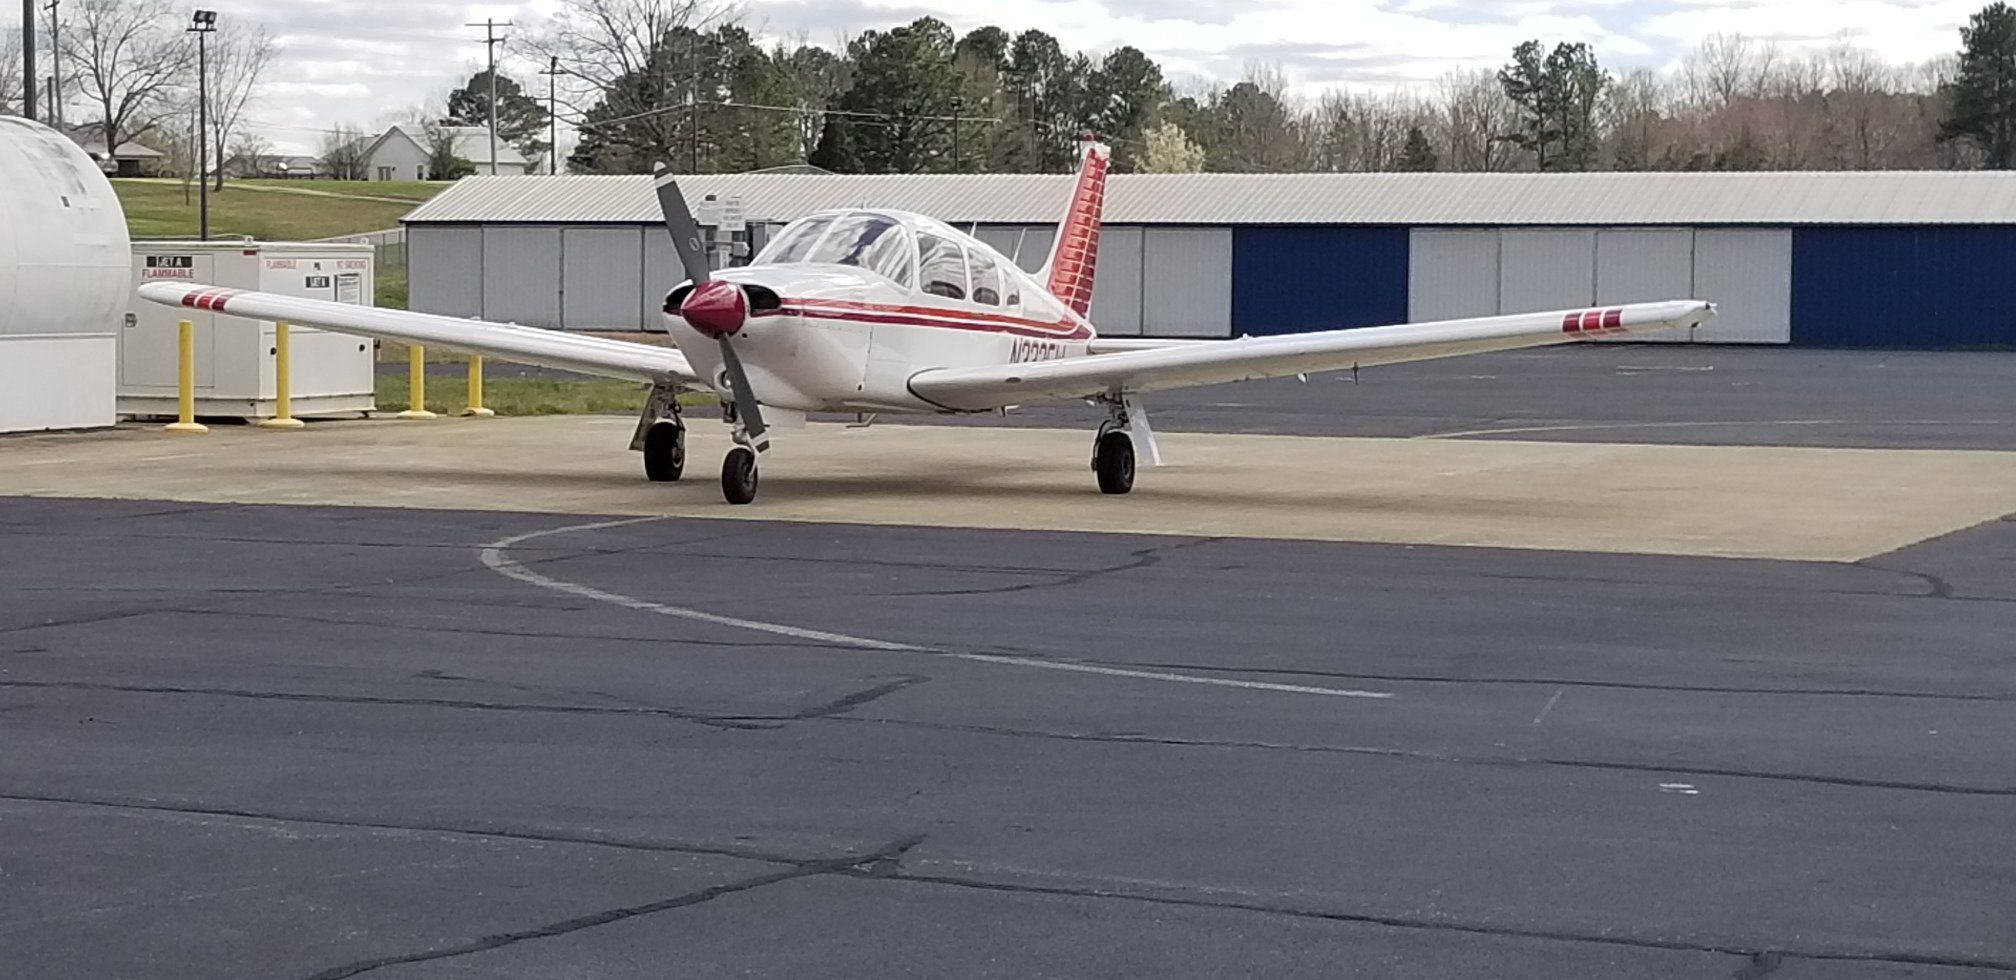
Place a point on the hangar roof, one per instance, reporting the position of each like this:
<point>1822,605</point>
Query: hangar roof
<point>1777,198</point>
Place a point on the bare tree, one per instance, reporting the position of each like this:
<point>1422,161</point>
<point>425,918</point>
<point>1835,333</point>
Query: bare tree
<point>342,152</point>
<point>10,72</point>
<point>249,150</point>
<point>1477,118</point>
<point>618,53</point>
<point>1726,67</point>
<point>126,56</point>
<point>236,61</point>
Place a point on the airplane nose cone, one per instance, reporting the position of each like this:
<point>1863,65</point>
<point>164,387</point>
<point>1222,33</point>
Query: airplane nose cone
<point>715,308</point>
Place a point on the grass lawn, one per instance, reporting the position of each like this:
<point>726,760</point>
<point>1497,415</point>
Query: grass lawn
<point>519,396</point>
<point>274,210</point>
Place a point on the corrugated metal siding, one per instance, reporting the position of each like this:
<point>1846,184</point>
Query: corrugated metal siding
<point>1291,280</point>
<point>1904,287</point>
<point>661,271</point>
<point>1747,274</point>
<point>1644,265</point>
<point>1186,282</point>
<point>1116,282</point>
<point>521,275</point>
<point>1891,197</point>
<point>601,273</point>
<point>446,269</point>
<point>1452,273</point>
<point>1546,269</point>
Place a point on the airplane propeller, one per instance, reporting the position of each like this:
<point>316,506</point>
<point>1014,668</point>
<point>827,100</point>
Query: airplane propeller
<point>714,307</point>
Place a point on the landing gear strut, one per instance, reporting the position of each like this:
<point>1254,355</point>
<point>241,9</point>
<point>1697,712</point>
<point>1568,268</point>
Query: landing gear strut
<point>661,435</point>
<point>738,469</point>
<point>1113,450</point>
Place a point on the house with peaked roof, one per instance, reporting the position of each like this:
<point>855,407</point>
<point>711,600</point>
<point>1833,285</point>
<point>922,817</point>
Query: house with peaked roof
<point>400,153</point>
<point>129,160</point>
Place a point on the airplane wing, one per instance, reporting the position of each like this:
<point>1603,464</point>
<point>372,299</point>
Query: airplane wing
<point>507,342</point>
<point>1194,364</point>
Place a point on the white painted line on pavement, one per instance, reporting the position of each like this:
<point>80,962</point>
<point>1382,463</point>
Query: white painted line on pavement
<point>494,557</point>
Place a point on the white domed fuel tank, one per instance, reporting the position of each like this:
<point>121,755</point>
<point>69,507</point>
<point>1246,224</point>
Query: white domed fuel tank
<point>65,265</point>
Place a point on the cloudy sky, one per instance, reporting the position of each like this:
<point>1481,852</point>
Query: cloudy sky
<point>361,61</point>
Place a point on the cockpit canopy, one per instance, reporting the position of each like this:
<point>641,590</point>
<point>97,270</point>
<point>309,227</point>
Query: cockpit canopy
<point>917,254</point>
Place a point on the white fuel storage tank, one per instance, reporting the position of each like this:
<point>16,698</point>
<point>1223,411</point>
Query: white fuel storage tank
<point>64,269</point>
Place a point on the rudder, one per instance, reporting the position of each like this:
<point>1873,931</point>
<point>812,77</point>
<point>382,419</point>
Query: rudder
<point>1075,255</point>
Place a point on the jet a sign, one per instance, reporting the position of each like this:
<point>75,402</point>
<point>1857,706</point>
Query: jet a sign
<point>169,267</point>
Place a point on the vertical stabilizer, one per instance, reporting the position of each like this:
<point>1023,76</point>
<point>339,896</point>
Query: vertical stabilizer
<point>1075,255</point>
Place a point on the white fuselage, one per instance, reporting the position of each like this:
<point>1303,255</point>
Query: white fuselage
<point>847,339</point>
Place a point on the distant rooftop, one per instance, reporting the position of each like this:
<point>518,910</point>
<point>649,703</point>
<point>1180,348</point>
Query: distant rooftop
<point>1776,198</point>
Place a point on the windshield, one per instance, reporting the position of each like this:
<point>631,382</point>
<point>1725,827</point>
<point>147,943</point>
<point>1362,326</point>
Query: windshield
<point>793,242</point>
<point>869,241</point>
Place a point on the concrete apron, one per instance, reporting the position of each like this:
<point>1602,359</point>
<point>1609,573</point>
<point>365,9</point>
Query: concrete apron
<point>1745,501</point>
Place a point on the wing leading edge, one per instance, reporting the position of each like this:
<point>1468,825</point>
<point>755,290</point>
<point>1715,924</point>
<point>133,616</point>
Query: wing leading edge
<point>1216,362</point>
<point>523,345</point>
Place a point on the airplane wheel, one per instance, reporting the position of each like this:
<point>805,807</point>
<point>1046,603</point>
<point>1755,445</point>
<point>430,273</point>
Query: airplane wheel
<point>1115,463</point>
<point>664,452</point>
<point>738,476</point>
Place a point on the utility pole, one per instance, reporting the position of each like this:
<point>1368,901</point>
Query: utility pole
<point>552,74</point>
<point>28,60</point>
<point>55,65</point>
<point>490,42</point>
<point>202,24</point>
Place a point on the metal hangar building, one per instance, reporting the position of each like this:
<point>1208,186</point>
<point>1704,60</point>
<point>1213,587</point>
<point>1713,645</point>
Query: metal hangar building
<point>1824,259</point>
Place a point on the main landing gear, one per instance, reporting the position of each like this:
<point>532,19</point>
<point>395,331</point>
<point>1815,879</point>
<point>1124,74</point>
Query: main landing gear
<point>661,435</point>
<point>1113,449</point>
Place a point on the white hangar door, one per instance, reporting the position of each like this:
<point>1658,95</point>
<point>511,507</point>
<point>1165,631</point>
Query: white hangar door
<point>601,276</point>
<point>1546,269</point>
<point>1186,282</point>
<point>1452,273</point>
<point>1116,283</point>
<point>521,275</point>
<point>1645,265</point>
<point>1747,274</point>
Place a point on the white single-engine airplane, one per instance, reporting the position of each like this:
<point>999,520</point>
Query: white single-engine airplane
<point>884,311</point>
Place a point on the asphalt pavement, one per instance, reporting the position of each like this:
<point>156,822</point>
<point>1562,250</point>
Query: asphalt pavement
<point>265,741</point>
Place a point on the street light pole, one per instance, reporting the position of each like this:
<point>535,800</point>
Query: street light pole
<point>203,24</point>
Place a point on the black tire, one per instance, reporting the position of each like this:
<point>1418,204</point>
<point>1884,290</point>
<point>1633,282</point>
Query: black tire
<point>1115,463</point>
<point>738,476</point>
<point>664,452</point>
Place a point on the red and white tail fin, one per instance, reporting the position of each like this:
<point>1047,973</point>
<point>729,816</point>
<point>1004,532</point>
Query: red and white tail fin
<point>1075,255</point>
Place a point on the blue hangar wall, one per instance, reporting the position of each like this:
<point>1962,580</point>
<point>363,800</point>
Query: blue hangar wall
<point>1922,287</point>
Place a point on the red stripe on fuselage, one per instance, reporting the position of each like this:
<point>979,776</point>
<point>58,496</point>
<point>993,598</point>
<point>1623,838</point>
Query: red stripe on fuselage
<point>934,316</point>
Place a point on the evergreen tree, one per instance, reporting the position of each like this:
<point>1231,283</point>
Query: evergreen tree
<point>906,78</point>
<point>1557,95</point>
<point>1981,101</point>
<point>1418,155</point>
<point>521,119</point>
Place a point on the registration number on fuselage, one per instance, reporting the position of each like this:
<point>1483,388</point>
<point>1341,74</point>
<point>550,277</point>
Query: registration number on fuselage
<point>1028,349</point>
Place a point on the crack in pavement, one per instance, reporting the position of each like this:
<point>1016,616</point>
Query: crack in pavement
<point>885,864</point>
<point>1142,558</point>
<point>1421,755</point>
<point>1858,692</point>
<point>1444,924</point>
<point>885,856</point>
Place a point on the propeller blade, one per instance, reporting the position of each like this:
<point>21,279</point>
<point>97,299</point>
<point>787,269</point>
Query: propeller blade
<point>746,407</point>
<point>685,231</point>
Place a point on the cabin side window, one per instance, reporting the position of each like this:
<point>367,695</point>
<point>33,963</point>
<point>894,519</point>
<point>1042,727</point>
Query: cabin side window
<point>941,266</point>
<point>986,279</point>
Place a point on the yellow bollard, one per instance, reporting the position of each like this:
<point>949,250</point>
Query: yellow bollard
<point>476,389</point>
<point>283,403</point>
<point>185,381</point>
<point>416,383</point>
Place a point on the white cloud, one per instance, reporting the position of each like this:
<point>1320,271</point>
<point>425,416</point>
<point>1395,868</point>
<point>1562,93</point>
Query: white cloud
<point>359,61</point>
